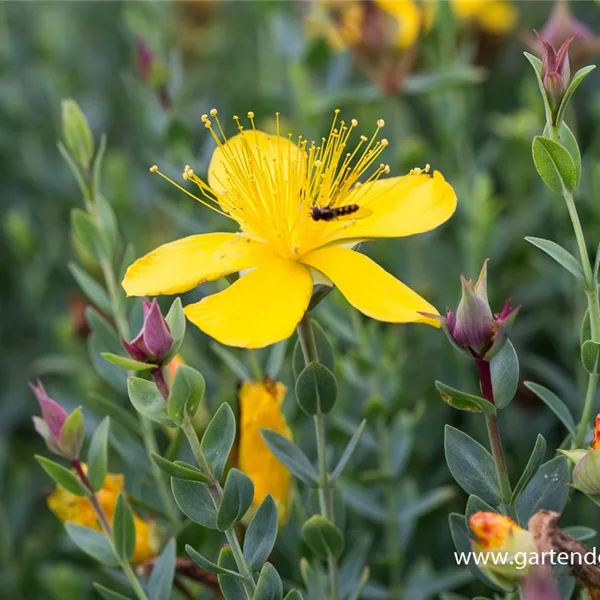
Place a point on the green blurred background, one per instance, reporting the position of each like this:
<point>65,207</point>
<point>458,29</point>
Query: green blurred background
<point>464,100</point>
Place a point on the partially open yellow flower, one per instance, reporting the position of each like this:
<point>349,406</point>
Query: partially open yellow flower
<point>78,509</point>
<point>271,187</point>
<point>494,16</point>
<point>260,408</point>
<point>500,535</point>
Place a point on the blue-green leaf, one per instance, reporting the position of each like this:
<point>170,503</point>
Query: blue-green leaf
<point>535,460</point>
<point>210,566</point>
<point>290,456</point>
<point>218,439</point>
<point>472,466</point>
<point>348,452</point>
<point>123,529</point>
<point>261,534</point>
<point>463,401</point>
<point>195,501</point>
<point>62,476</point>
<point>98,455</point>
<point>316,389</point>
<point>161,579</point>
<point>504,369</point>
<point>93,543</point>
<point>563,257</point>
<point>268,586</point>
<point>109,594</point>
<point>238,494</point>
<point>555,404</point>
<point>148,401</point>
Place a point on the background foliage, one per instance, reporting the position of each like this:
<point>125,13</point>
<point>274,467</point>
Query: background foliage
<point>470,112</point>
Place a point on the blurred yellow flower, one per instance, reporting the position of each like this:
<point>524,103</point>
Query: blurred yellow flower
<point>260,407</point>
<point>494,16</point>
<point>77,509</point>
<point>409,20</point>
<point>276,191</point>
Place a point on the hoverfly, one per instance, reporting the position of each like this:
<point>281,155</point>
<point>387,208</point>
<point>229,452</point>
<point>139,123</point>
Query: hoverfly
<point>334,213</point>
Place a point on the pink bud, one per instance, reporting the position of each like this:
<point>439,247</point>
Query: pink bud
<point>63,433</point>
<point>153,342</point>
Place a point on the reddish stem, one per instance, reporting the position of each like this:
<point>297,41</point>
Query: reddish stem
<point>161,382</point>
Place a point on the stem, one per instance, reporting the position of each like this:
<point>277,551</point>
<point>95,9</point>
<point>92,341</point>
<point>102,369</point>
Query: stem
<point>591,291</point>
<point>487,391</point>
<point>216,493</point>
<point>107,530</point>
<point>326,498</point>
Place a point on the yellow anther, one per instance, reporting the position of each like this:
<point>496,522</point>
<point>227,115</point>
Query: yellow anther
<point>250,114</point>
<point>427,168</point>
<point>337,111</point>
<point>384,142</point>
<point>380,123</point>
<point>354,122</point>
<point>213,112</point>
<point>204,118</point>
<point>363,138</point>
<point>153,169</point>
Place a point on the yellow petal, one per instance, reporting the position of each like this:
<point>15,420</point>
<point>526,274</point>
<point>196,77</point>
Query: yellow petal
<point>249,148</point>
<point>181,265</point>
<point>400,206</point>
<point>261,308</point>
<point>260,408</point>
<point>408,17</point>
<point>369,288</point>
<point>499,17</point>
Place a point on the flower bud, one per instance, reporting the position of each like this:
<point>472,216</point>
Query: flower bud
<point>586,475</point>
<point>556,70</point>
<point>497,533</point>
<point>63,433</point>
<point>76,133</point>
<point>153,342</point>
<point>474,329</point>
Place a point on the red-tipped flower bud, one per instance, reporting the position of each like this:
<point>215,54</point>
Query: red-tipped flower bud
<point>63,433</point>
<point>474,328</point>
<point>556,70</point>
<point>153,342</point>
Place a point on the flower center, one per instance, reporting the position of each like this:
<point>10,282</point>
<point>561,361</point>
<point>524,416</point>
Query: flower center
<point>269,184</point>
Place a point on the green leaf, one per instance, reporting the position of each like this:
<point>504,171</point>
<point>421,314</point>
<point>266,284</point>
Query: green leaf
<point>580,533</point>
<point>126,363</point>
<point>195,502</point>
<point>238,494</point>
<point>163,573</point>
<point>463,401</point>
<point>324,351</point>
<point>62,476</point>
<point>504,369</point>
<point>268,586</point>
<point>109,594</point>
<point>208,565</point>
<point>107,226</point>
<point>590,355</point>
<point>97,166</point>
<point>179,470</point>
<point>559,254</point>
<point>232,587</point>
<point>104,338</point>
<point>97,458</point>
<point>76,132</point>
<point>323,537</point>
<point>533,464</point>
<point>73,434</point>
<point>575,83</point>
<point>316,389</point>
<point>348,452</point>
<point>218,439</point>
<point>148,401</point>
<point>293,595</point>
<point>93,543</point>
<point>86,233</point>
<point>462,543</point>
<point>187,392</point>
<point>261,534</point>
<point>471,466</point>
<point>176,321</point>
<point>276,358</point>
<point>290,456</point>
<point>123,529</point>
<point>91,288</point>
<point>554,165</point>
<point>548,489</point>
<point>425,504</point>
<point>555,404</point>
<point>569,141</point>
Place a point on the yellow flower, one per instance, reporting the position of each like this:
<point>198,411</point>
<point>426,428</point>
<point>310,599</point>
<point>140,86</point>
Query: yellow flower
<point>500,535</point>
<point>409,19</point>
<point>494,16</point>
<point>260,407</point>
<point>77,509</point>
<point>271,187</point>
